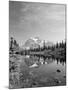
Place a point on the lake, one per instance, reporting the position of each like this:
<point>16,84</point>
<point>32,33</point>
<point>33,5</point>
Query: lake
<point>40,71</point>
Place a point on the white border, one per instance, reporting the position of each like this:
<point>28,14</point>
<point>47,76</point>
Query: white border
<point>4,36</point>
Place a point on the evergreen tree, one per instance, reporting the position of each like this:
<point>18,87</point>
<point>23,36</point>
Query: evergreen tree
<point>63,44</point>
<point>44,45</point>
<point>15,43</point>
<point>11,43</point>
<point>57,45</point>
<point>39,48</point>
<point>60,45</point>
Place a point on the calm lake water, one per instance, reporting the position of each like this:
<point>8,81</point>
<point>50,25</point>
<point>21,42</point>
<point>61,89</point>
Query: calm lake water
<point>47,69</point>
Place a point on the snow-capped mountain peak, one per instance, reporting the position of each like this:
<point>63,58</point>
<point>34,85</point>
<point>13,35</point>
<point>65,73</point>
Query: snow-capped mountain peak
<point>35,42</point>
<point>35,39</point>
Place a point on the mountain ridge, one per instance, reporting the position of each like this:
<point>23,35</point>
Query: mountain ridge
<point>35,42</point>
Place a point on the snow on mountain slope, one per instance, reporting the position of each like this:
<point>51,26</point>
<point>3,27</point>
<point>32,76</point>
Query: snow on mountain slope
<point>35,43</point>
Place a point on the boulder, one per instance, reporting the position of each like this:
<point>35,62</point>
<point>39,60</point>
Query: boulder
<point>58,70</point>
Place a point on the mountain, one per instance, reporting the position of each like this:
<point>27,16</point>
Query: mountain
<point>35,43</point>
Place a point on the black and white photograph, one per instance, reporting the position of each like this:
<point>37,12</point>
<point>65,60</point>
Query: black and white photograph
<point>37,44</point>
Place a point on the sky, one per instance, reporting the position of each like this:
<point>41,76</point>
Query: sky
<point>30,19</point>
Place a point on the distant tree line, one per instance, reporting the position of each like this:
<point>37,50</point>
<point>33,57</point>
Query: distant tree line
<point>53,47</point>
<point>58,48</point>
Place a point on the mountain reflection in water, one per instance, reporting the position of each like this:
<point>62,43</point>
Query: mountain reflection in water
<point>48,67</point>
<point>46,60</point>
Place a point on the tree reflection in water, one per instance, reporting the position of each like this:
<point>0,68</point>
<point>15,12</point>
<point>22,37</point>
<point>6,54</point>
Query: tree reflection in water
<point>44,59</point>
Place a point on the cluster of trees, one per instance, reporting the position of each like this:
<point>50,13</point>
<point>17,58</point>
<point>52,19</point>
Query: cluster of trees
<point>13,44</point>
<point>53,47</point>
